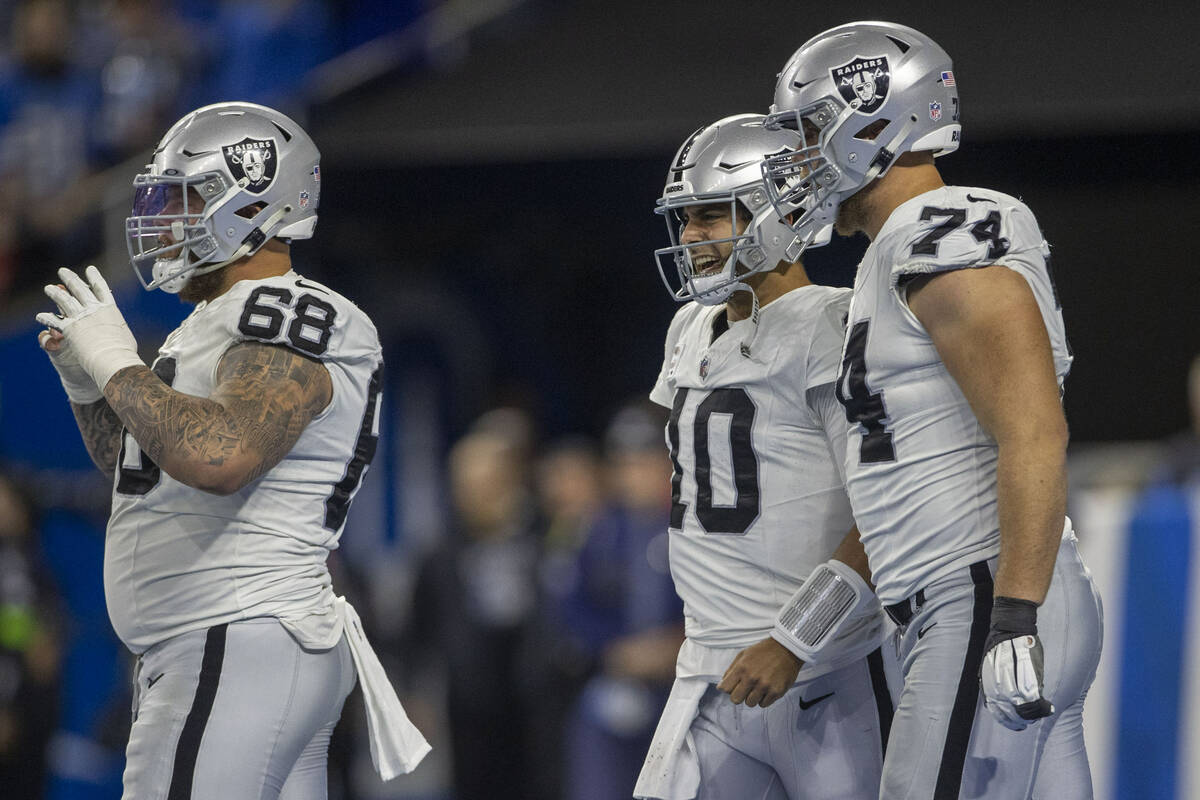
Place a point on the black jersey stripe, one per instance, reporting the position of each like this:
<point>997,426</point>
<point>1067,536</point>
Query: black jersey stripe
<point>188,747</point>
<point>883,695</point>
<point>962,717</point>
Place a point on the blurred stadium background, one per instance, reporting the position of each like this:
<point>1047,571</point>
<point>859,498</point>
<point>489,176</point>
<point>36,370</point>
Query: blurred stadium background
<point>490,170</point>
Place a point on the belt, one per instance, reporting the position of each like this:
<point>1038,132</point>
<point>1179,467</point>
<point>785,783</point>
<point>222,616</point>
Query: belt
<point>903,612</point>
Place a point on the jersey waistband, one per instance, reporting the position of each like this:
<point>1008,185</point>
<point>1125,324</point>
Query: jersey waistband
<point>904,610</point>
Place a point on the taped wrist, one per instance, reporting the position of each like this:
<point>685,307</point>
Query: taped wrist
<point>814,616</point>
<point>80,387</point>
<point>1011,617</point>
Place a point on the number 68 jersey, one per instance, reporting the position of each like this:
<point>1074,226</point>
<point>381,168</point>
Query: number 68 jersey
<point>757,495</point>
<point>179,559</point>
<point>920,470</point>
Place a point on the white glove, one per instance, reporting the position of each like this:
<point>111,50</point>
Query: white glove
<point>1011,674</point>
<point>81,389</point>
<point>91,325</point>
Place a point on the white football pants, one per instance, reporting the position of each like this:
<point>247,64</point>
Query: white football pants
<point>239,710</point>
<point>945,744</point>
<point>823,740</point>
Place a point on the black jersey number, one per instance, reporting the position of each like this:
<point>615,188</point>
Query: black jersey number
<point>985,230</point>
<point>737,518</point>
<point>862,405</point>
<point>268,309</point>
<point>136,473</point>
<point>337,505</point>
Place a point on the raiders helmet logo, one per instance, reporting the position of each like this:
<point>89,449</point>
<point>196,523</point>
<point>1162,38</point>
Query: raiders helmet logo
<point>864,79</point>
<point>253,159</point>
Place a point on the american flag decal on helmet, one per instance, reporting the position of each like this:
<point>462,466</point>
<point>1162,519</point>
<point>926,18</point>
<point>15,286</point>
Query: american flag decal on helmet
<point>948,78</point>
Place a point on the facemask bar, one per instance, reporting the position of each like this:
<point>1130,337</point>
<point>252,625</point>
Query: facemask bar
<point>176,242</point>
<point>715,286</point>
<point>804,180</point>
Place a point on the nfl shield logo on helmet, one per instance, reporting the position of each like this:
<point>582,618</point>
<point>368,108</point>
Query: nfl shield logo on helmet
<point>254,160</point>
<point>935,111</point>
<point>304,199</point>
<point>865,79</point>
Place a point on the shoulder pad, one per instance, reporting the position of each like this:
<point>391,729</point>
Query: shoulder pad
<point>969,228</point>
<point>302,315</point>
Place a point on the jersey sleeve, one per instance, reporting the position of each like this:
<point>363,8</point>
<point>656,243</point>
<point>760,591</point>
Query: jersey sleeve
<point>971,228</point>
<point>825,343</point>
<point>663,392</point>
<point>823,403</point>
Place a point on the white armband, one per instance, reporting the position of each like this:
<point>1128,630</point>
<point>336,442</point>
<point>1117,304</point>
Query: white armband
<point>814,616</point>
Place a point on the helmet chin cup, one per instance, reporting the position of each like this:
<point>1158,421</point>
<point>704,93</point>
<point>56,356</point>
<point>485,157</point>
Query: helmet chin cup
<point>170,274</point>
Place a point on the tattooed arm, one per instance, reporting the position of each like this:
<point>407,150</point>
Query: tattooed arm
<point>264,398</point>
<point>101,429</point>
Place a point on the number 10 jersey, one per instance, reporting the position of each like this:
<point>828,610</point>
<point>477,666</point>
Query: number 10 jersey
<point>755,440</point>
<point>920,470</point>
<point>179,559</point>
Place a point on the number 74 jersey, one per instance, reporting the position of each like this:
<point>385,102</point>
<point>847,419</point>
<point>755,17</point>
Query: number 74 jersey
<point>179,559</point>
<point>755,438</point>
<point>920,470</point>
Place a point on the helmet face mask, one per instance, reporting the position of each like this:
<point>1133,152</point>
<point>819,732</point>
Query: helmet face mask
<point>224,180</point>
<point>720,165</point>
<point>167,235</point>
<point>868,91</point>
<point>707,283</point>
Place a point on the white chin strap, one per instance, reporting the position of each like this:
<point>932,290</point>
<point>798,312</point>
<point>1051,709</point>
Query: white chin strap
<point>172,274</point>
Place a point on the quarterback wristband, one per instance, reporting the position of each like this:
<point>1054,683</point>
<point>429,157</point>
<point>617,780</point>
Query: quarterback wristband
<point>814,616</point>
<point>1011,617</point>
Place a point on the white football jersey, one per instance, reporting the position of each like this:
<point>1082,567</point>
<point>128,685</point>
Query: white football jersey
<point>178,559</point>
<point>757,495</point>
<point>920,470</point>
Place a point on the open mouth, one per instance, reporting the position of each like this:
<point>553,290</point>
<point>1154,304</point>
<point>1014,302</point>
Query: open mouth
<point>703,266</point>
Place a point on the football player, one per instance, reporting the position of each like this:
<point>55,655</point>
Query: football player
<point>234,461</point>
<point>758,506</point>
<point>952,374</point>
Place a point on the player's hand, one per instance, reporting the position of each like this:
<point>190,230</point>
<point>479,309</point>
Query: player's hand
<point>80,387</point>
<point>760,674</point>
<point>90,328</point>
<point>1012,671</point>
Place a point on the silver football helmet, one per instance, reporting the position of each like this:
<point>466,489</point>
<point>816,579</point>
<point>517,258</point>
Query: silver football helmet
<point>858,95</point>
<point>721,163</point>
<point>224,180</point>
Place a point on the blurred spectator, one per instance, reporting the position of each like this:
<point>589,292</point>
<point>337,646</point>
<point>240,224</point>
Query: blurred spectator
<point>569,489</point>
<point>475,603</point>
<point>47,106</point>
<point>147,59</point>
<point>29,653</point>
<point>623,609</point>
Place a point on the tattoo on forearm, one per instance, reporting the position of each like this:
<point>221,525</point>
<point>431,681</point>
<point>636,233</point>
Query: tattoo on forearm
<point>101,430</point>
<point>265,397</point>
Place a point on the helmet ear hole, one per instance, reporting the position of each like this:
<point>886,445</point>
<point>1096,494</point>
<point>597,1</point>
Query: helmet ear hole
<point>869,132</point>
<point>251,211</point>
